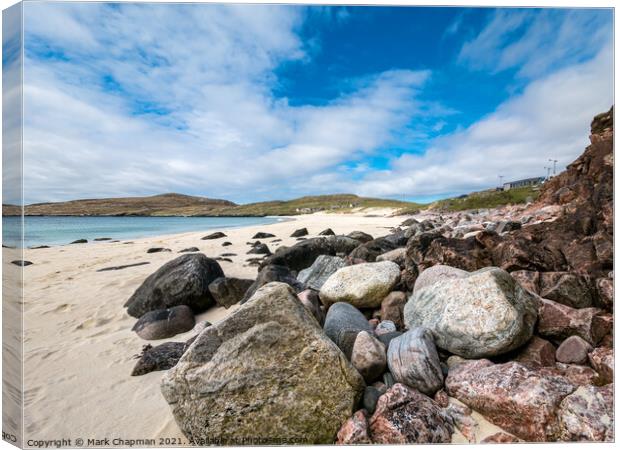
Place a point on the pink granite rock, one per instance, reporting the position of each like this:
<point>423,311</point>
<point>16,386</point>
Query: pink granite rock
<point>519,399</point>
<point>354,430</point>
<point>392,307</point>
<point>538,352</point>
<point>405,416</point>
<point>557,321</point>
<point>588,414</point>
<point>602,360</point>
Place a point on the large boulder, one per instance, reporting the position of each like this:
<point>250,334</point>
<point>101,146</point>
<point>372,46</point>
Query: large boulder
<point>588,414</point>
<point>437,274</point>
<point>484,314</point>
<point>301,255</point>
<point>183,281</point>
<point>369,251</point>
<point>405,416</point>
<point>165,323</point>
<point>517,398</point>
<point>413,361</point>
<point>270,274</point>
<point>362,285</point>
<point>267,373</point>
<point>321,269</point>
<point>229,291</point>
<point>343,322</point>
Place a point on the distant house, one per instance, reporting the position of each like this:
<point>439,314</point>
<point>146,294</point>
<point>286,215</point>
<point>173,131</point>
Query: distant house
<point>522,183</point>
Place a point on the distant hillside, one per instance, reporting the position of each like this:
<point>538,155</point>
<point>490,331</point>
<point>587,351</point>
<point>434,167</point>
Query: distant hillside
<point>185,205</point>
<point>487,199</point>
<point>156,205</point>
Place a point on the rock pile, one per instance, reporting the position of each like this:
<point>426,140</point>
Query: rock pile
<point>505,313</point>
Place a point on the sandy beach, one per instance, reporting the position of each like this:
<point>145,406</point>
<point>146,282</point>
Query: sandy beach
<point>79,346</point>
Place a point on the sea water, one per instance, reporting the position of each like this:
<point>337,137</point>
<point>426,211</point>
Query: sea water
<point>59,230</point>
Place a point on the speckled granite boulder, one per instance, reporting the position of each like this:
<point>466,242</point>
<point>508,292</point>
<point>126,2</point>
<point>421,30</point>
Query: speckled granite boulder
<point>436,274</point>
<point>266,372</point>
<point>519,399</point>
<point>588,414</point>
<point>362,285</point>
<point>321,269</point>
<point>405,416</point>
<point>483,314</point>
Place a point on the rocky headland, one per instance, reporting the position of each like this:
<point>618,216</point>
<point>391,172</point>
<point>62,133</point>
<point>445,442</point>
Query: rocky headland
<point>424,335</point>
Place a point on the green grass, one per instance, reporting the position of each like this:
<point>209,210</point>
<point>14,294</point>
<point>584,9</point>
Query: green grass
<point>338,203</point>
<point>488,199</point>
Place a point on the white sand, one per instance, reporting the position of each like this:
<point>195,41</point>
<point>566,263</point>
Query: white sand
<point>78,341</point>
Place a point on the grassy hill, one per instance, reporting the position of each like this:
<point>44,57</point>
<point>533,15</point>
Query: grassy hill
<point>185,205</point>
<point>487,199</point>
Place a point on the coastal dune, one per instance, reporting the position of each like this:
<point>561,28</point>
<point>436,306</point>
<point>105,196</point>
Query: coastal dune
<point>79,346</point>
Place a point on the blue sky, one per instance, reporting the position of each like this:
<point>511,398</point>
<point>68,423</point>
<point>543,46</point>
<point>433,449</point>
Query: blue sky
<point>255,102</point>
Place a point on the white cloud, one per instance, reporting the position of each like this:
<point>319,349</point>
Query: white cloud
<point>536,40</point>
<point>550,119</point>
<point>209,70</point>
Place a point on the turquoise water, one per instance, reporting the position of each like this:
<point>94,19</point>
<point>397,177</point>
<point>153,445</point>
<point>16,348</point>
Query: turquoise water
<point>48,230</point>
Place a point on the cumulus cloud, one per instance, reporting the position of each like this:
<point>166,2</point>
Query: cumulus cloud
<point>550,119</point>
<point>141,99</point>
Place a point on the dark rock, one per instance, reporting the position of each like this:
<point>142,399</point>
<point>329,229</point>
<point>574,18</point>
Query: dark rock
<point>183,281</point>
<point>219,258</point>
<point>226,255</point>
<point>226,244</point>
<point>405,416</point>
<point>162,357</point>
<point>371,396</point>
<point>32,248</point>
<point>369,251</point>
<point>271,273</point>
<point>105,269</point>
<point>574,350</point>
<point>165,323</point>
<point>229,291</point>
<point>189,249</point>
<point>360,236</point>
<point>21,263</point>
<point>158,250</point>
<point>342,324</point>
<point>260,249</point>
<point>300,232</point>
<point>537,352</point>
<point>566,288</point>
<point>79,241</point>
<point>327,232</point>
<point>216,235</point>
<point>263,235</point>
<point>605,291</point>
<point>102,239</point>
<point>557,321</point>
<point>303,254</point>
<point>392,308</point>
<point>503,394</point>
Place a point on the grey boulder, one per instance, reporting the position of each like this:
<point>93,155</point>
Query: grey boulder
<point>483,314</point>
<point>229,291</point>
<point>323,267</point>
<point>413,361</point>
<point>266,373</point>
<point>343,322</point>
